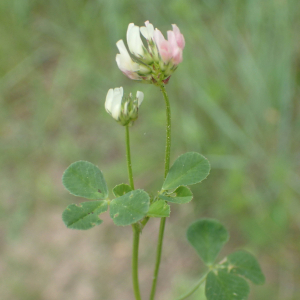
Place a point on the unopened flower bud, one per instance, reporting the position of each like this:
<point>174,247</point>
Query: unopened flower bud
<point>123,109</point>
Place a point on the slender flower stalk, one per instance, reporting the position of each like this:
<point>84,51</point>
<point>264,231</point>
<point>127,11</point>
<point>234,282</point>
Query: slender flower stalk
<point>135,227</point>
<point>167,167</point>
<point>135,263</point>
<point>168,131</point>
<point>128,158</point>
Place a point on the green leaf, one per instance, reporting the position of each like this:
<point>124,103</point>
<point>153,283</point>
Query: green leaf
<point>225,286</point>
<point>121,189</point>
<point>245,264</point>
<point>130,208</point>
<point>84,216</point>
<point>207,236</point>
<point>84,179</point>
<point>189,168</point>
<point>181,195</point>
<point>159,209</point>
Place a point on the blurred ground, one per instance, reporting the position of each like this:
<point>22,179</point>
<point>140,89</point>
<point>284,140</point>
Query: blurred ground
<point>235,99</point>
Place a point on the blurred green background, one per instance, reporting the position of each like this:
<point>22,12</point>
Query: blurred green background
<point>235,99</point>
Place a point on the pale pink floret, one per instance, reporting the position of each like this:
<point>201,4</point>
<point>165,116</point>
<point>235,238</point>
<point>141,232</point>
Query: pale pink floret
<point>171,48</point>
<point>163,46</point>
<point>175,50</point>
<point>179,37</point>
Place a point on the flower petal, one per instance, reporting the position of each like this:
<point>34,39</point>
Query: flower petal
<point>147,31</point>
<point>125,109</point>
<point>117,101</point>
<point>118,93</point>
<point>125,63</point>
<point>174,48</point>
<point>179,37</point>
<point>134,41</point>
<point>162,45</point>
<point>109,100</point>
<point>140,97</point>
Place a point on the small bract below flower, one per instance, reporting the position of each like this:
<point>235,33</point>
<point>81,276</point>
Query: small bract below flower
<point>123,109</point>
<point>155,62</point>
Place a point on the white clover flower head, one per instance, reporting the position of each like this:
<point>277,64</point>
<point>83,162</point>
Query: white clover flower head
<point>155,62</point>
<point>123,109</point>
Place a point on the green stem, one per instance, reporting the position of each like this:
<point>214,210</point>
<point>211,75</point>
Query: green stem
<point>195,288</point>
<point>167,167</point>
<point>128,157</point>
<point>135,263</point>
<point>158,256</point>
<point>168,131</point>
<point>135,228</point>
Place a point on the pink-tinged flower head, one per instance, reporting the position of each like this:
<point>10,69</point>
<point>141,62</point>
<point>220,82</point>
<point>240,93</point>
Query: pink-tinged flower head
<point>153,61</point>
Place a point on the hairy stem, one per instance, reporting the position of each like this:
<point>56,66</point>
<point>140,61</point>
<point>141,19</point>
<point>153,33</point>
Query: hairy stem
<point>135,227</point>
<point>167,167</point>
<point>135,263</point>
<point>168,131</point>
<point>128,157</point>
